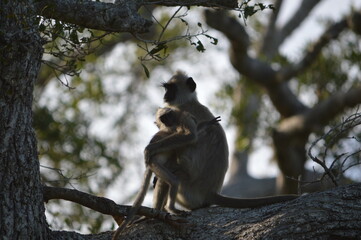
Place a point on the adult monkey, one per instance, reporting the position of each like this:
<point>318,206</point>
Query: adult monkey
<point>205,163</point>
<point>184,130</point>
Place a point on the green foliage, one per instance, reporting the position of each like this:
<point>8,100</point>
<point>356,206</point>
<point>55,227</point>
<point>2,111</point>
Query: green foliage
<point>248,10</point>
<point>199,46</point>
<point>146,70</point>
<point>170,32</point>
<point>66,45</point>
<point>71,155</point>
<point>331,71</point>
<point>65,141</point>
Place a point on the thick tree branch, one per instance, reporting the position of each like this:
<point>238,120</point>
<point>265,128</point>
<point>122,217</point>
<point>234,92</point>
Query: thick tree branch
<point>267,47</point>
<point>99,204</point>
<point>306,6</point>
<point>230,27</point>
<point>333,214</point>
<point>231,4</point>
<point>270,45</point>
<point>237,35</point>
<point>259,71</point>
<point>313,52</point>
<point>321,114</point>
<point>324,112</point>
<point>122,17</point>
<point>104,205</point>
<point>119,17</point>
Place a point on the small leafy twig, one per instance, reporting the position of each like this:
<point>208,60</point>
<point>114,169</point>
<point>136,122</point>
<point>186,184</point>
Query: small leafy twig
<point>153,48</point>
<point>66,179</point>
<point>66,45</point>
<point>246,10</point>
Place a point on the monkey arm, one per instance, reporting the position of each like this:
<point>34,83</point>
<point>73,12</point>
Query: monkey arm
<point>172,142</point>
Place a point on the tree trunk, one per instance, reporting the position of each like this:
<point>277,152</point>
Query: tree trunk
<point>22,213</point>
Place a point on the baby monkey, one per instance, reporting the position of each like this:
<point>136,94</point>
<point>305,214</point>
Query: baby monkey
<point>184,130</point>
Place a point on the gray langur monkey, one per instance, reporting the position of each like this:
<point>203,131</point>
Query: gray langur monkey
<point>184,130</point>
<point>204,163</point>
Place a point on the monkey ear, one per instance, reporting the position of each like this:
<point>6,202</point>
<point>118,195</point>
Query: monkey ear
<point>191,84</point>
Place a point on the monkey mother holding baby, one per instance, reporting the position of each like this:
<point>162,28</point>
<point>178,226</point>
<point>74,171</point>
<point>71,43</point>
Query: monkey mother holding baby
<point>193,156</point>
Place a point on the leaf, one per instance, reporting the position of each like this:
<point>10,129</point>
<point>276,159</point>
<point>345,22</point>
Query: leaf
<point>261,6</point>
<point>184,21</point>
<point>74,37</point>
<point>214,40</point>
<point>85,39</point>
<point>157,49</point>
<point>146,71</point>
<point>200,46</point>
<point>249,11</point>
<point>42,27</point>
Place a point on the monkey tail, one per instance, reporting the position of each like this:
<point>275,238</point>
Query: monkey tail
<point>250,202</point>
<point>136,205</point>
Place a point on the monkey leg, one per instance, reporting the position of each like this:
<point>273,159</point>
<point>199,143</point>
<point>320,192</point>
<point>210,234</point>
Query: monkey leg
<point>173,182</point>
<point>160,194</point>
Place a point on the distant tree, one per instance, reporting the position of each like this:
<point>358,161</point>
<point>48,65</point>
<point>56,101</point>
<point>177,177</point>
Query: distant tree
<point>322,72</point>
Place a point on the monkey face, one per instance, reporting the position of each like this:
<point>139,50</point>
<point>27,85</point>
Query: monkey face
<point>169,118</point>
<point>179,89</point>
<point>170,92</point>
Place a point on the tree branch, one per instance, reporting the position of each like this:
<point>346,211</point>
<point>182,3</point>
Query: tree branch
<point>304,10</point>
<point>321,114</point>
<point>122,17</point>
<point>268,42</point>
<point>325,111</point>
<point>312,53</point>
<point>333,214</point>
<point>119,17</point>
<point>230,27</point>
<point>251,67</point>
<point>231,4</point>
<point>104,205</point>
<point>259,71</point>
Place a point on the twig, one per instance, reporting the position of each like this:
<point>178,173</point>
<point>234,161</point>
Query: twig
<point>333,135</point>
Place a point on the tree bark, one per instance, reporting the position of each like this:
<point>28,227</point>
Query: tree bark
<point>334,214</point>
<point>22,215</point>
<point>119,17</point>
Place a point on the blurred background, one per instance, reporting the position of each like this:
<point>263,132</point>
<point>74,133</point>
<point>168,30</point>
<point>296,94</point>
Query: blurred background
<point>281,80</point>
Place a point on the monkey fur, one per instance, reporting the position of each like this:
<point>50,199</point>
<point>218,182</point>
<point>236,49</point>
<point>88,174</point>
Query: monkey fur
<point>205,162</point>
<point>183,129</point>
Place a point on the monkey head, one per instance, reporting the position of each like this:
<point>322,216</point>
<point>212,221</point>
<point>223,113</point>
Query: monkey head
<point>167,117</point>
<point>179,89</point>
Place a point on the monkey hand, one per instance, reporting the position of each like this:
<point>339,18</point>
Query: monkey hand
<point>206,124</point>
<point>215,120</point>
